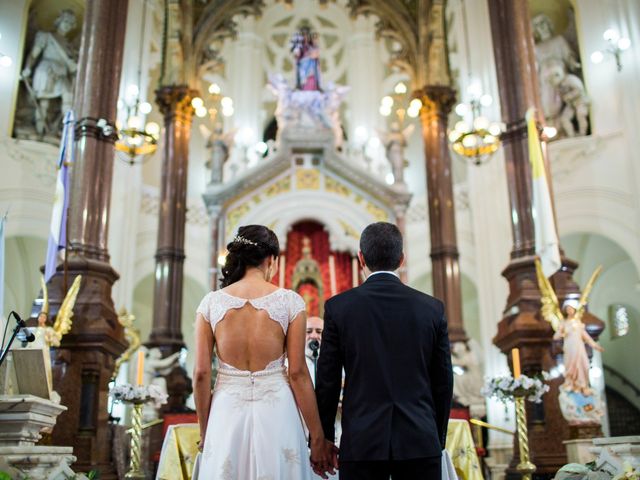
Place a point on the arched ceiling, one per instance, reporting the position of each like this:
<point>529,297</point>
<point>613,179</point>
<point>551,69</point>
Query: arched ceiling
<point>415,27</point>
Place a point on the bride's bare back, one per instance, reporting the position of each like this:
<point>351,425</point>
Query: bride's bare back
<point>247,338</point>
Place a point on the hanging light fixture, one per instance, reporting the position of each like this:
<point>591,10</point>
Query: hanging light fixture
<point>400,104</point>
<point>615,46</point>
<point>137,140</point>
<point>474,136</point>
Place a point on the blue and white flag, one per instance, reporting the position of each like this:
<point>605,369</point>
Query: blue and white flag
<point>57,233</point>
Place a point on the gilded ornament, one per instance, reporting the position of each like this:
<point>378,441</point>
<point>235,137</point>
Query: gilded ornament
<point>334,186</point>
<point>308,179</point>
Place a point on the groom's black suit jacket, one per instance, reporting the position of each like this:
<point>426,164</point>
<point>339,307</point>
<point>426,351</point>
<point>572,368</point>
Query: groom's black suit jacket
<point>393,344</point>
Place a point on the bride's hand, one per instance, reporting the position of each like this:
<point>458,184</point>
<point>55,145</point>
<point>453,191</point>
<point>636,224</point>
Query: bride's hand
<point>324,457</point>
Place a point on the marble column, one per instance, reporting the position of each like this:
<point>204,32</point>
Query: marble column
<point>437,102</point>
<point>521,325</point>
<point>83,364</point>
<point>175,105</point>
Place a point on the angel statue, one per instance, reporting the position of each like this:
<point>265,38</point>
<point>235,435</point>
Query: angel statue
<point>62,325</point>
<point>132,335</point>
<point>568,326</point>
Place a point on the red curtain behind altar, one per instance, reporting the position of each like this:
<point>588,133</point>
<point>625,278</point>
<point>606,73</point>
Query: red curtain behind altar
<point>320,252</point>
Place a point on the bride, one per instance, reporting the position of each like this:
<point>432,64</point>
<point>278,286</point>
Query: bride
<point>250,424</point>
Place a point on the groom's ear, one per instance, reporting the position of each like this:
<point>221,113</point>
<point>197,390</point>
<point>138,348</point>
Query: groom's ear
<point>363,265</point>
<point>403,259</point>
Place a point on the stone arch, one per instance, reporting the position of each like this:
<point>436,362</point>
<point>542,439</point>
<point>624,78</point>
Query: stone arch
<point>23,257</point>
<point>619,283</point>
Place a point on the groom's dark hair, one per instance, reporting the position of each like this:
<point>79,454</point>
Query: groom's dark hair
<point>381,246</point>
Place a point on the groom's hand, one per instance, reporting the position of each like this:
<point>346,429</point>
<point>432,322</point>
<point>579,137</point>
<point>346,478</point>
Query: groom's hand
<point>324,458</point>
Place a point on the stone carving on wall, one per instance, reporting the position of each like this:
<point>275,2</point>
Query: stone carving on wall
<point>48,79</point>
<point>565,103</point>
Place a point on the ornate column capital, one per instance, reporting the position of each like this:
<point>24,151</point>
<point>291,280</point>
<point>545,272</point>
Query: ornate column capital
<point>175,101</point>
<point>438,99</point>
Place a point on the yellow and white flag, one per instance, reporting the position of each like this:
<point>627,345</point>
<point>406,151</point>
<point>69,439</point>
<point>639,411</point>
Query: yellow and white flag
<point>547,244</point>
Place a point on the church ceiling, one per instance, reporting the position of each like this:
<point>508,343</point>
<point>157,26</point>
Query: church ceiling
<point>398,20</point>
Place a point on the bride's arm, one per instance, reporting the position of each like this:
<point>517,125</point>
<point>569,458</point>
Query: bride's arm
<point>202,373</point>
<point>301,379</point>
<point>304,394</point>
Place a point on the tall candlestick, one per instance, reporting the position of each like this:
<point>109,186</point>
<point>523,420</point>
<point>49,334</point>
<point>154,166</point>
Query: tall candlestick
<point>515,358</point>
<point>281,273</point>
<point>332,274</point>
<point>140,372</point>
<point>354,272</point>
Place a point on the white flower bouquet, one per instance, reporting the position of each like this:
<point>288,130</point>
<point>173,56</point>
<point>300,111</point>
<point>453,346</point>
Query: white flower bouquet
<point>128,393</point>
<point>506,388</point>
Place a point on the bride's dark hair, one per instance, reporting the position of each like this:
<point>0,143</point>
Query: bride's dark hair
<point>251,246</point>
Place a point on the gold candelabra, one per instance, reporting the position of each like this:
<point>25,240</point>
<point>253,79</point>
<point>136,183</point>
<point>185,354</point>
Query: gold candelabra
<point>525,467</point>
<point>135,468</point>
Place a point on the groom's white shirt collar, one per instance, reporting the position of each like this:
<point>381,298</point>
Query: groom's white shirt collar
<point>383,271</point>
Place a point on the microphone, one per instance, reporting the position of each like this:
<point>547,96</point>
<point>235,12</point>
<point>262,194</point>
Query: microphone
<point>314,346</point>
<point>25,335</point>
<point>21,332</point>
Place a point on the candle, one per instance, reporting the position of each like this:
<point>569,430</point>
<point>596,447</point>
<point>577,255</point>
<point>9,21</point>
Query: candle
<point>354,272</point>
<point>515,358</point>
<point>281,273</point>
<point>140,375</point>
<point>332,274</point>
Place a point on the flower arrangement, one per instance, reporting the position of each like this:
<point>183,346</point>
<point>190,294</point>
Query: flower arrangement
<point>138,394</point>
<point>506,388</point>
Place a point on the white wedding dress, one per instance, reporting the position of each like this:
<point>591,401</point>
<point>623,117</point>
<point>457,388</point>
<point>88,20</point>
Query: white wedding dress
<point>255,431</point>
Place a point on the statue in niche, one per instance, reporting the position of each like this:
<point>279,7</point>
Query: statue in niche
<point>575,102</point>
<point>219,145</point>
<point>304,46</point>
<point>466,387</point>
<point>567,111</point>
<point>156,369</point>
<point>395,141</point>
<point>49,73</point>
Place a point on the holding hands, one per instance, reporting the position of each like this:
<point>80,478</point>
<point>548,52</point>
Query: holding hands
<point>324,457</point>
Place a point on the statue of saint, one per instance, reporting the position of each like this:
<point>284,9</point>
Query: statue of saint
<point>305,49</point>
<point>575,102</point>
<point>550,46</point>
<point>219,144</point>
<point>395,141</point>
<point>53,63</point>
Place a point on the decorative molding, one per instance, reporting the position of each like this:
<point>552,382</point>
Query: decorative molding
<point>36,157</point>
<point>566,154</point>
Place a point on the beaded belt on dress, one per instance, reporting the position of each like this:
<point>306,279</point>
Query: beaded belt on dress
<point>245,373</point>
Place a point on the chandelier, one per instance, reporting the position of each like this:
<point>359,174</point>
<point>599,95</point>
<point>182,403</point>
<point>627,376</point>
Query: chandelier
<point>136,139</point>
<point>217,103</point>
<point>399,104</point>
<point>474,136</point>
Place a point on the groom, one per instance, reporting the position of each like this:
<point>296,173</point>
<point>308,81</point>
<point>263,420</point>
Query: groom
<point>393,344</point>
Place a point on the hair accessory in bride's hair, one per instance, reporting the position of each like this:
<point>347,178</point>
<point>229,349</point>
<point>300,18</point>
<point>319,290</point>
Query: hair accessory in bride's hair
<point>245,241</point>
